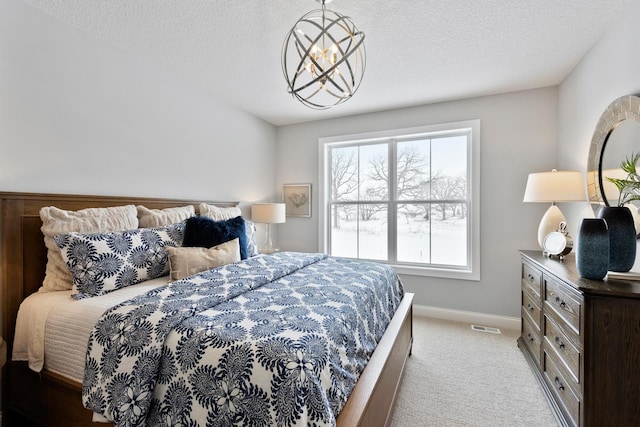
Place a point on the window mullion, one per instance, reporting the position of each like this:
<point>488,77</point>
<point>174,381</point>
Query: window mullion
<point>431,198</point>
<point>329,208</point>
<point>359,168</point>
<point>392,205</point>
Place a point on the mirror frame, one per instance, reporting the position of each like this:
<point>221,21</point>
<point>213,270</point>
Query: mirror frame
<point>624,108</point>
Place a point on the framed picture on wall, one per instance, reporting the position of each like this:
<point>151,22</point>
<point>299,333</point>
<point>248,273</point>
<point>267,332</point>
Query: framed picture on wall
<point>297,198</point>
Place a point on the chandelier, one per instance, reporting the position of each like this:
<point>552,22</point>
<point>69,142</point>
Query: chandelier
<point>323,58</point>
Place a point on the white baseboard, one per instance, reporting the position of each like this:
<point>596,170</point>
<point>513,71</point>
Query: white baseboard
<point>471,317</point>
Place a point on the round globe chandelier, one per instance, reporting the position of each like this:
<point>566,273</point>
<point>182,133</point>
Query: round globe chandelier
<point>323,58</point>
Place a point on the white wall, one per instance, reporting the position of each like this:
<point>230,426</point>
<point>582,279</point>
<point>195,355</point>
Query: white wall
<point>518,132</point>
<point>609,70</point>
<point>78,115</point>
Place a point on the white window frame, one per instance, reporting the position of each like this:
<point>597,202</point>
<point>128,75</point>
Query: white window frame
<point>472,272</point>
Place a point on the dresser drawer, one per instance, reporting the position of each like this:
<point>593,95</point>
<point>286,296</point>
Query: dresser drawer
<point>558,341</point>
<point>531,306</point>
<point>531,338</point>
<point>564,302</point>
<point>555,376</point>
<point>532,278</point>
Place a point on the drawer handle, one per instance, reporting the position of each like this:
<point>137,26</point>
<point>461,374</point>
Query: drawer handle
<point>559,384</point>
<point>559,342</point>
<point>530,307</point>
<point>530,337</point>
<point>560,302</point>
<point>531,277</point>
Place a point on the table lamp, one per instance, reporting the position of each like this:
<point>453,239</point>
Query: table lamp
<point>552,187</point>
<point>268,213</point>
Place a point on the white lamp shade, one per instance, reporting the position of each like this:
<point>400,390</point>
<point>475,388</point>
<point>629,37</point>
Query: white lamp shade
<point>268,213</point>
<point>555,186</point>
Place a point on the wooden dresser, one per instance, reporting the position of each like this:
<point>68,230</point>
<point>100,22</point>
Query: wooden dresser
<point>582,340</point>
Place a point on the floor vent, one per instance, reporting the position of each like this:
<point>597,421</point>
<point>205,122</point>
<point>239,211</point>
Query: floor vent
<point>486,329</point>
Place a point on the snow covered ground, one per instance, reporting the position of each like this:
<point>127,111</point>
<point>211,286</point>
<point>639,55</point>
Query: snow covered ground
<point>420,240</point>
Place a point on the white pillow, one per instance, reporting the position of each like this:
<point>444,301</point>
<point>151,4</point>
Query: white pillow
<point>91,220</point>
<point>150,218</point>
<point>218,214</point>
<point>186,261</point>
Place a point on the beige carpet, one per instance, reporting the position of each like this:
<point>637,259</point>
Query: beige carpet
<point>460,377</point>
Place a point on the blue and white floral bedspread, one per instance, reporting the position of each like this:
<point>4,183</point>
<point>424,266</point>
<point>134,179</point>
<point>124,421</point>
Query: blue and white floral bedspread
<point>272,340</point>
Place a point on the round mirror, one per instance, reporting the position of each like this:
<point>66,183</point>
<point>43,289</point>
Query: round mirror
<point>617,135</point>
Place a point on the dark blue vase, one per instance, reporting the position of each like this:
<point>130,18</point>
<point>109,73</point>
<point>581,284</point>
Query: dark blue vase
<point>622,237</point>
<point>592,254</point>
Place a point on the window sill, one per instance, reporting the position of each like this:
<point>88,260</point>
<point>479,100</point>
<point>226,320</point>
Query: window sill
<point>436,272</point>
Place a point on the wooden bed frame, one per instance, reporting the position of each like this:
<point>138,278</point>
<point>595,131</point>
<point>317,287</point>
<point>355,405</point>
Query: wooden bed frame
<point>48,399</point>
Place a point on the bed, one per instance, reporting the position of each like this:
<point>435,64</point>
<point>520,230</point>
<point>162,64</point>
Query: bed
<point>53,399</point>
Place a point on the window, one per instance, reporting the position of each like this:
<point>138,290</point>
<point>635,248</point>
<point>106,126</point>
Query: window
<point>406,197</point>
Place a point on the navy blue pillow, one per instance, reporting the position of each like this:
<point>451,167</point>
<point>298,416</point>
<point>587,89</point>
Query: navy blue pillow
<point>204,232</point>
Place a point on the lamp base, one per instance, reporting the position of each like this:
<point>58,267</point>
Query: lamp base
<point>550,222</point>
<point>267,251</point>
<point>268,248</point>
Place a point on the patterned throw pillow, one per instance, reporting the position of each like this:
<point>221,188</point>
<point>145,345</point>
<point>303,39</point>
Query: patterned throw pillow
<point>252,246</point>
<point>103,262</point>
<point>91,220</point>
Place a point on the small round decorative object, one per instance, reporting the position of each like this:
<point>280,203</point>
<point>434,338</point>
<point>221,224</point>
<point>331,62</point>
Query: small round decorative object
<point>558,243</point>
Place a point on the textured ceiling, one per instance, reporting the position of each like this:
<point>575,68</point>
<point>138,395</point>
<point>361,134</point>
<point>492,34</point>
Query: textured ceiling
<point>418,51</point>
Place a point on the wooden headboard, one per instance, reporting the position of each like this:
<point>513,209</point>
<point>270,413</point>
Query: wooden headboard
<point>22,249</point>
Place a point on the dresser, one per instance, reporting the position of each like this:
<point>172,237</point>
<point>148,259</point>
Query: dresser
<point>582,340</point>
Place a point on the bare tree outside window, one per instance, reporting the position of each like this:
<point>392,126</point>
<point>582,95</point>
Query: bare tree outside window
<point>344,182</point>
<point>450,188</point>
<point>428,200</point>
